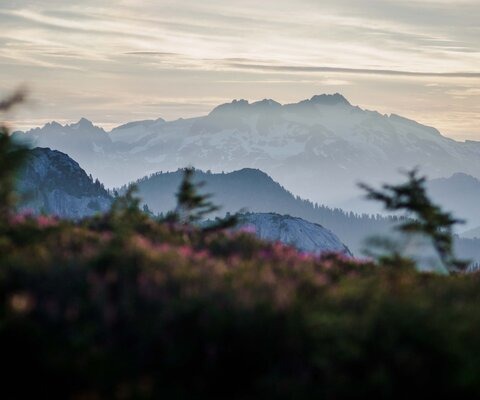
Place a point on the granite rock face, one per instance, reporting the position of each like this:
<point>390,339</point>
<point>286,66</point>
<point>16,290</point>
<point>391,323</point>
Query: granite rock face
<point>52,183</point>
<point>305,236</point>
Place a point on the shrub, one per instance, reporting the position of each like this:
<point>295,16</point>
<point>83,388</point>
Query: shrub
<point>165,311</point>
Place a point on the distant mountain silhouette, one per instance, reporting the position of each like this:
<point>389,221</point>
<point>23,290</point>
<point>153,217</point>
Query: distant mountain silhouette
<point>317,148</point>
<point>254,191</point>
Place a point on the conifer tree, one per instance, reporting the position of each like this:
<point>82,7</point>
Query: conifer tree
<point>193,207</point>
<point>427,218</point>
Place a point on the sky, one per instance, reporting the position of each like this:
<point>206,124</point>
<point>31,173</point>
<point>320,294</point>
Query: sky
<point>119,61</point>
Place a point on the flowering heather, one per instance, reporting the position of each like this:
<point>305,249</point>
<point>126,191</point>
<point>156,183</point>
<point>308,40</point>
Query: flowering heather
<point>133,308</point>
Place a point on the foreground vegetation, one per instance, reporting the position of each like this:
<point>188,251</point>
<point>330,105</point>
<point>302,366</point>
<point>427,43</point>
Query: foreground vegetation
<point>125,306</point>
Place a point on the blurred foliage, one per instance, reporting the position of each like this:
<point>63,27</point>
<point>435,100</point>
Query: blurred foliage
<point>123,306</point>
<point>426,218</point>
<point>165,311</point>
<point>193,207</point>
<point>12,157</point>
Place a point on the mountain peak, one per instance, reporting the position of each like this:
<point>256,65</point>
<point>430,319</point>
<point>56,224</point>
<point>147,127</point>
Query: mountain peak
<point>269,104</point>
<point>235,105</point>
<point>330,99</point>
<point>83,123</point>
<point>266,103</point>
<point>53,124</point>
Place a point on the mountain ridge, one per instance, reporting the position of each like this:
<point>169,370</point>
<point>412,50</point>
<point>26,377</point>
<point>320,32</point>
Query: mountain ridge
<point>321,142</point>
<point>53,183</point>
<point>319,99</point>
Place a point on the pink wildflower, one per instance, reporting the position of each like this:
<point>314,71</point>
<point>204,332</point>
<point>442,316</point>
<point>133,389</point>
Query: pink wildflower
<point>163,247</point>
<point>185,251</point>
<point>17,219</point>
<point>46,221</point>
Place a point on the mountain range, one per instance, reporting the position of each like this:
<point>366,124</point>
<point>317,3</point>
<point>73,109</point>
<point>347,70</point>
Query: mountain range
<point>317,148</point>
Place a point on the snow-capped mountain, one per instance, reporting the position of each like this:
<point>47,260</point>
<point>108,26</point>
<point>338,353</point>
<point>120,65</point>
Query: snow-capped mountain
<point>317,148</point>
<point>53,183</point>
<point>305,236</point>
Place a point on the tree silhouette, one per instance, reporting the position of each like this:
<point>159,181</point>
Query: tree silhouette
<point>193,207</point>
<point>427,218</point>
<point>12,156</point>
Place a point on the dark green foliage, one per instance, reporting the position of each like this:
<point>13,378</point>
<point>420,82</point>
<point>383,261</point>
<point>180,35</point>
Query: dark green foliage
<point>12,156</point>
<point>387,252</point>
<point>177,313</point>
<point>16,98</point>
<point>124,216</point>
<point>147,210</point>
<point>193,207</point>
<point>427,218</point>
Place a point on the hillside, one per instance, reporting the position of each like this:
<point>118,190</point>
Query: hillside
<point>53,183</point>
<point>254,191</point>
<point>251,190</point>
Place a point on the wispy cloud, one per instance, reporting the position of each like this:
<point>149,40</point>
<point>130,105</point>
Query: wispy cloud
<point>357,71</point>
<point>113,59</point>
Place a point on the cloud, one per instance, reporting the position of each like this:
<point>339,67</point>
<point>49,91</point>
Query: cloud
<point>81,54</point>
<point>358,71</point>
<point>465,92</point>
<point>150,53</point>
